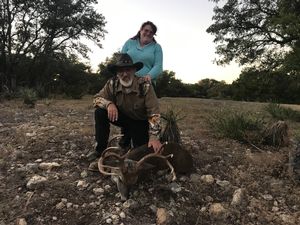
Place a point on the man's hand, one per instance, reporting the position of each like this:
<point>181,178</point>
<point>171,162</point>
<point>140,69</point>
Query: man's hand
<point>155,144</point>
<point>112,112</point>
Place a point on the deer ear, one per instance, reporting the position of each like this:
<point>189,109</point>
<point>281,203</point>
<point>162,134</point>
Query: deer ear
<point>147,166</point>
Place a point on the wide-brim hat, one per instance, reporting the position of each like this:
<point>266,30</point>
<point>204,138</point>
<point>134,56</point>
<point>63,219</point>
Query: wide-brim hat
<point>124,60</point>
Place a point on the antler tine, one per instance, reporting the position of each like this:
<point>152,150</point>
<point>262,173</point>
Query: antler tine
<point>113,138</point>
<point>109,149</point>
<point>101,168</point>
<point>162,147</point>
<point>156,155</point>
<point>105,154</point>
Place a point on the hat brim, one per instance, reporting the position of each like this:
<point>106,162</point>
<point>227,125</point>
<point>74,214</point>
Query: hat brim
<point>114,68</point>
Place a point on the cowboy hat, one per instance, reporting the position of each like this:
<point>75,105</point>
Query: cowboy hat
<point>124,60</point>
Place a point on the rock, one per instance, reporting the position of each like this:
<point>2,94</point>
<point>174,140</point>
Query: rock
<point>130,204</point>
<point>208,179</point>
<point>84,174</point>
<point>267,197</point>
<point>223,183</point>
<point>48,166</point>
<point>238,196</point>
<point>21,221</point>
<point>217,210</point>
<point>82,184</point>
<point>195,178</point>
<point>288,219</point>
<point>162,217</point>
<point>175,187</point>
<point>60,205</point>
<point>98,191</point>
<point>122,215</point>
<point>35,181</point>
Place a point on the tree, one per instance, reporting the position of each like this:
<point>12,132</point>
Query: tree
<point>256,32</point>
<point>41,29</point>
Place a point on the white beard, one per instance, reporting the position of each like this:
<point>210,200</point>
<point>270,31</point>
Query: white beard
<point>126,84</point>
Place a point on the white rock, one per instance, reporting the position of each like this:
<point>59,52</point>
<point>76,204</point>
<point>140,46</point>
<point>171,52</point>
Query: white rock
<point>60,205</point>
<point>35,180</point>
<point>21,221</point>
<point>208,179</point>
<point>82,184</point>
<point>48,166</point>
<point>122,215</point>
<point>223,183</point>
<point>98,191</point>
<point>217,210</point>
<point>237,197</point>
<point>109,220</point>
<point>267,197</point>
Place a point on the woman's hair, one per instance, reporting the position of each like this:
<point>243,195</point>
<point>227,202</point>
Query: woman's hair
<point>154,29</point>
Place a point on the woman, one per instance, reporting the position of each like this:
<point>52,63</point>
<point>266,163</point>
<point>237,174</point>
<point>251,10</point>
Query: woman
<point>144,48</point>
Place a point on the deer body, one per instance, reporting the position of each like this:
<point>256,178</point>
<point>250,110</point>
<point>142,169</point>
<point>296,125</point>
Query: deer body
<point>129,165</point>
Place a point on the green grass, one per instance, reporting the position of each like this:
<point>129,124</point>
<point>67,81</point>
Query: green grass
<point>282,113</point>
<point>241,126</point>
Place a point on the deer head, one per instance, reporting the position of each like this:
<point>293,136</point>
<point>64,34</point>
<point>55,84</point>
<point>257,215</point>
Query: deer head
<point>127,170</point>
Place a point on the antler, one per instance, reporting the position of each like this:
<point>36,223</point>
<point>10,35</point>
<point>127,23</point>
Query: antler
<point>157,155</point>
<point>105,154</point>
<point>113,138</point>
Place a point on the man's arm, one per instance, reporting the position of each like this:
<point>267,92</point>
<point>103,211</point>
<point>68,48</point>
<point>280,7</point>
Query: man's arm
<point>104,97</point>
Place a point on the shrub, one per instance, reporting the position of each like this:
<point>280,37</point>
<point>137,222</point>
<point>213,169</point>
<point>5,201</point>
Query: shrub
<point>241,126</point>
<point>29,96</point>
<point>282,113</point>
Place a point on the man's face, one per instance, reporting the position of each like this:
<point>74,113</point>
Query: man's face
<point>125,75</point>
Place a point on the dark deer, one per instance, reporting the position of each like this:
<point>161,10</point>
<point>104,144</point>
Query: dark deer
<point>129,165</point>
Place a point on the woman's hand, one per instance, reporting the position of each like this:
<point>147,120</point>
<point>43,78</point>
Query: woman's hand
<point>112,112</point>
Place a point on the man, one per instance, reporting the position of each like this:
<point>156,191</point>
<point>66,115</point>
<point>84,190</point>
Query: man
<point>129,102</point>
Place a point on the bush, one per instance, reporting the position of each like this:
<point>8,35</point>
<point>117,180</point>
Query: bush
<point>282,113</point>
<point>29,96</point>
<point>241,126</point>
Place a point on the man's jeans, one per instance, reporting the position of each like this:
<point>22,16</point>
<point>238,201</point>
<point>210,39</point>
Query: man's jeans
<point>136,129</point>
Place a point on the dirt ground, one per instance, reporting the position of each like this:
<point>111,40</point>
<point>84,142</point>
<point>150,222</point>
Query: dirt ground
<point>44,177</point>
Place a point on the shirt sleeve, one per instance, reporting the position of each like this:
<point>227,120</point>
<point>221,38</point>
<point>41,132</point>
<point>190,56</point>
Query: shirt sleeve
<point>125,47</point>
<point>104,97</point>
<point>158,62</point>
<point>153,114</point>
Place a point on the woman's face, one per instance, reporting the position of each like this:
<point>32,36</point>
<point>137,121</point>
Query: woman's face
<point>146,34</point>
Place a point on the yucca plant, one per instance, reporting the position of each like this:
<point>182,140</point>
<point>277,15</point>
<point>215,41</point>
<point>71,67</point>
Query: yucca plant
<point>29,96</point>
<point>171,132</point>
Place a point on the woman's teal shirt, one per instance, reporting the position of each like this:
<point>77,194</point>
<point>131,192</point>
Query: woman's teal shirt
<point>150,55</point>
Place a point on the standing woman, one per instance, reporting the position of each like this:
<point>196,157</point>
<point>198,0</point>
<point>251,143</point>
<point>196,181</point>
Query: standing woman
<point>144,48</point>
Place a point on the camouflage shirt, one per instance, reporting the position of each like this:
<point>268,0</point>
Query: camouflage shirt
<point>139,102</point>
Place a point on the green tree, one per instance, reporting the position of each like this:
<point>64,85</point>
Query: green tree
<point>261,32</point>
<point>42,29</point>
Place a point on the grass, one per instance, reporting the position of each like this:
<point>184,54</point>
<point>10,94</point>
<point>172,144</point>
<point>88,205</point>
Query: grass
<point>240,126</point>
<point>282,113</point>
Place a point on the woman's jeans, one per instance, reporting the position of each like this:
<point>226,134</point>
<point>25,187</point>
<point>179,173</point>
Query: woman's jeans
<point>136,129</point>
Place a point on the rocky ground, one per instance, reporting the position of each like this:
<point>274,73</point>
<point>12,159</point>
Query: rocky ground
<point>44,177</point>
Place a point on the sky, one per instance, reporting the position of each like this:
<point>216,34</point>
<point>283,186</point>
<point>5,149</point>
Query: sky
<point>188,50</point>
